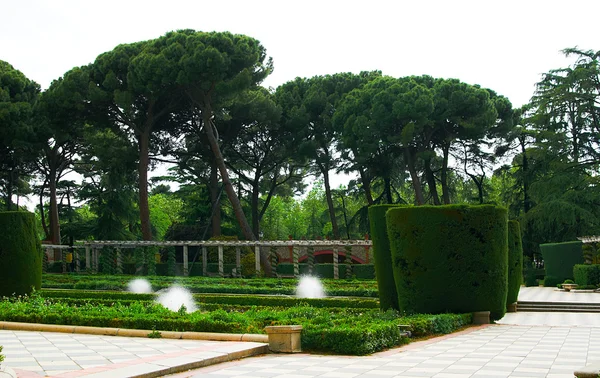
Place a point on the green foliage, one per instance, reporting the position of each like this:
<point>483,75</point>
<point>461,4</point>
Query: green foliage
<point>559,260</point>
<point>164,211</point>
<point>586,275</point>
<point>20,254</point>
<point>450,258</point>
<point>515,261</point>
<point>1,355</point>
<point>353,331</point>
<point>354,288</point>
<point>529,276</point>
<point>384,271</point>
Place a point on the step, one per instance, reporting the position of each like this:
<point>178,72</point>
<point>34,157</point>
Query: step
<point>558,306</point>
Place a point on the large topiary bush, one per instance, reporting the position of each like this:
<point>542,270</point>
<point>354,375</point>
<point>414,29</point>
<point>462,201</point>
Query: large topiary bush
<point>515,261</point>
<point>586,275</point>
<point>559,260</point>
<point>20,254</point>
<point>388,297</point>
<point>450,258</point>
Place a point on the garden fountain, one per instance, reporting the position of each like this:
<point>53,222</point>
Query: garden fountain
<point>310,287</point>
<point>175,297</point>
<point>139,286</point>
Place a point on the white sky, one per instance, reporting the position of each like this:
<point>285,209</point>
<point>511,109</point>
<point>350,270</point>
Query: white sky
<point>503,45</point>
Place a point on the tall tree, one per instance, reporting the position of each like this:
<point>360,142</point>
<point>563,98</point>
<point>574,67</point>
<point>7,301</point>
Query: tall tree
<point>131,90</point>
<point>18,95</point>
<point>308,106</point>
<point>57,135</point>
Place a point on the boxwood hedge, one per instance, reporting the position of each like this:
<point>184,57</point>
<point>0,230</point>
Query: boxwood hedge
<point>20,253</point>
<point>586,275</point>
<point>450,258</point>
<point>559,260</point>
<point>515,261</point>
<point>388,297</point>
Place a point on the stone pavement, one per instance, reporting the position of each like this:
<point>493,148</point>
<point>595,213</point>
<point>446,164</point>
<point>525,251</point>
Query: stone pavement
<point>552,294</point>
<point>494,351</point>
<point>35,354</point>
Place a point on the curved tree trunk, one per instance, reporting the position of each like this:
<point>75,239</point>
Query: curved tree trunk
<point>144,140</point>
<point>416,182</point>
<point>387,187</point>
<point>54,221</point>
<point>334,226</point>
<point>254,205</point>
<point>444,175</point>
<point>215,200</point>
<point>431,182</point>
<point>366,183</point>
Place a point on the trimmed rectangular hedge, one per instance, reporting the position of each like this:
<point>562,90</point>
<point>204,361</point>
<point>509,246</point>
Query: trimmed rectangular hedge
<point>559,260</point>
<point>450,258</point>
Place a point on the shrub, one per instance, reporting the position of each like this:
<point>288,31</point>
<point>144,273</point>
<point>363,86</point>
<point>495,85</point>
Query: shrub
<point>384,272</point>
<point>559,260</point>
<point>552,281</point>
<point>529,275</point>
<point>515,261</point>
<point>450,258</point>
<point>586,275</point>
<point>20,254</point>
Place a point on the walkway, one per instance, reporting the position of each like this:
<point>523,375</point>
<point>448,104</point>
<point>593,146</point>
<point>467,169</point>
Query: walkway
<point>35,354</point>
<point>494,351</point>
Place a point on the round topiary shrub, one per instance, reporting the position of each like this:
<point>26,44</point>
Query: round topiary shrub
<point>20,254</point>
<point>388,297</point>
<point>450,258</point>
<point>515,261</point>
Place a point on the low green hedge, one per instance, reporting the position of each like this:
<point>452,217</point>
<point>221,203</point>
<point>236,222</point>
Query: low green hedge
<point>586,275</point>
<point>356,288</point>
<point>345,331</point>
<point>241,300</point>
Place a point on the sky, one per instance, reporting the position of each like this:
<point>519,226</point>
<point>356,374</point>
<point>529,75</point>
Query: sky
<point>502,45</point>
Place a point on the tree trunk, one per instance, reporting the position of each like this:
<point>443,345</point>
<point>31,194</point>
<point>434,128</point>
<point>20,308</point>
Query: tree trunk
<point>254,205</point>
<point>54,221</point>
<point>416,182</point>
<point>444,175</point>
<point>387,183</point>
<point>366,186</point>
<point>431,182</point>
<point>43,214</point>
<point>215,200</point>
<point>229,189</point>
<point>334,226</point>
<point>144,140</point>
<point>343,197</point>
<point>525,169</point>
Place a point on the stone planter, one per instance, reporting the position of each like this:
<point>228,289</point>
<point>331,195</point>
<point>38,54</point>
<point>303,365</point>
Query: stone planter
<point>481,317</point>
<point>284,339</point>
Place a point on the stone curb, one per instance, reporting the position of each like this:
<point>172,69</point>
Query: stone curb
<point>589,371</point>
<point>37,327</point>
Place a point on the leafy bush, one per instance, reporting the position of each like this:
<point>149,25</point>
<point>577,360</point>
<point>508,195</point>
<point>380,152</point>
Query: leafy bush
<point>338,330</point>
<point>515,261</point>
<point>586,275</point>
<point>388,296</point>
<point>20,253</point>
<point>1,355</point>
<point>450,258</point>
<point>529,272</point>
<point>552,281</point>
<point>559,260</point>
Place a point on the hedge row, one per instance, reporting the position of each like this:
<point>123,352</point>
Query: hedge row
<point>20,253</point>
<point>388,296</point>
<point>559,260</point>
<point>450,258</point>
<point>345,331</point>
<point>586,275</point>
<point>241,300</point>
<point>515,261</point>
<point>361,271</point>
